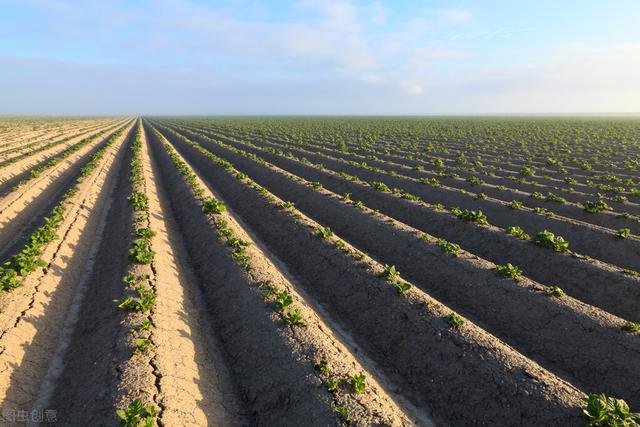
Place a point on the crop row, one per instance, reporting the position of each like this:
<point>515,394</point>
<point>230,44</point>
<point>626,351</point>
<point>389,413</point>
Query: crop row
<point>261,227</point>
<point>27,260</point>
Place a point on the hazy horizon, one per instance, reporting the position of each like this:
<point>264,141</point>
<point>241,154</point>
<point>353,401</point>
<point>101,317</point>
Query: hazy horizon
<point>312,57</point>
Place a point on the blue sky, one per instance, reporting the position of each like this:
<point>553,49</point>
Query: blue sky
<point>319,57</point>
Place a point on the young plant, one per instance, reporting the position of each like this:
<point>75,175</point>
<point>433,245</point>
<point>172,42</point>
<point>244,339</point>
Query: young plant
<point>595,207</point>
<point>518,232</point>
<point>547,239</point>
<point>554,291</point>
<point>515,204</point>
<point>632,327</point>
<point>139,201</point>
<point>143,344</point>
<point>473,216</point>
<point>402,287</point>
<point>358,383</point>
<point>448,247</point>
<point>322,366</point>
<point>145,233</point>
<point>343,411</point>
<point>390,273</point>
<point>508,270</point>
<point>293,317</point>
<point>324,232</point>
<point>141,252</point>
<point>137,415</point>
<point>455,320</point>
<point>604,411</point>
<point>332,386</point>
<point>623,233</point>
<point>285,205</point>
<point>213,206</point>
<point>283,300</point>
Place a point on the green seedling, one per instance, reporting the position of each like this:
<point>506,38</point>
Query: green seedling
<point>283,300</point>
<point>343,411</point>
<point>631,327</point>
<point>332,386</point>
<point>293,317</point>
<point>141,252</point>
<point>322,366</point>
<point>448,247</point>
<point>324,232</point>
<point>143,344</point>
<point>402,287</point>
<point>473,216</point>
<point>358,383</point>
<point>285,205</point>
<point>515,204</point>
<point>517,232</point>
<point>145,325</point>
<point>548,240</point>
<point>137,415</point>
<point>623,233</point>
<point>144,302</point>
<point>145,233</point>
<point>554,291</point>
<point>390,273</point>
<point>139,201</point>
<point>455,320</point>
<point>213,206</point>
<point>603,411</point>
<point>508,270</point>
<point>595,207</point>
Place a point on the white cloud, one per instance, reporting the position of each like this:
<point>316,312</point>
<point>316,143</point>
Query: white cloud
<point>455,16</point>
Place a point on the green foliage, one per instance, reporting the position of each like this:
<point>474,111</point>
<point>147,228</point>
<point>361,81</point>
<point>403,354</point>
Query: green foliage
<point>380,186</point>
<point>472,216</point>
<point>140,251</point>
<point>324,232</point>
<point>515,204</point>
<point>604,411</point>
<point>283,300</point>
<point>554,291</point>
<point>358,383</point>
<point>448,247</point>
<point>518,232</point>
<point>623,233</point>
<point>343,411</point>
<point>548,240</point>
<point>142,345</point>
<point>631,327</point>
<point>550,197</point>
<point>137,415</point>
<point>402,287</point>
<point>145,233</point>
<point>455,320</point>
<point>293,317</point>
<point>285,205</point>
<point>213,206</point>
<point>139,201</point>
<point>390,273</point>
<point>595,207</point>
<point>508,270</point>
<point>143,302</point>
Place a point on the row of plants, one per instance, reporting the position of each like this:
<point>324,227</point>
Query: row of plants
<point>140,296</point>
<point>36,172</point>
<point>14,270</point>
<point>551,197</point>
<point>281,299</point>
<point>528,171</point>
<point>38,146</point>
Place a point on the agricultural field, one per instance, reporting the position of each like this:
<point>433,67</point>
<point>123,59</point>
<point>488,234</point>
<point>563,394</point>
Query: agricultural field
<point>320,271</point>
